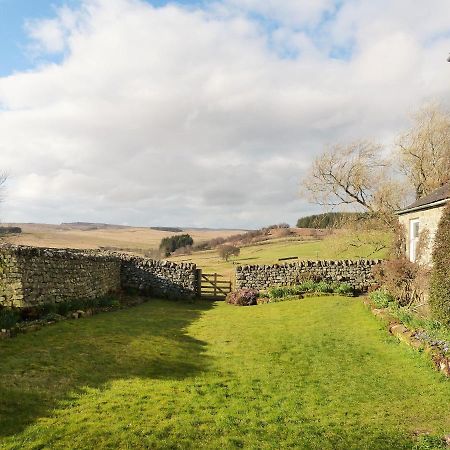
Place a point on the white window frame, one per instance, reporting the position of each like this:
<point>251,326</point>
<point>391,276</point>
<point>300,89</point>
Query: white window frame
<point>413,239</point>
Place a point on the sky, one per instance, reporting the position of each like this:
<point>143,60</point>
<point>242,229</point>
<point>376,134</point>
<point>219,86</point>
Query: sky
<point>201,113</point>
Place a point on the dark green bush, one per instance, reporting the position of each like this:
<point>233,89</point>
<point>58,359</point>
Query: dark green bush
<point>170,244</point>
<point>8,318</point>
<point>439,298</point>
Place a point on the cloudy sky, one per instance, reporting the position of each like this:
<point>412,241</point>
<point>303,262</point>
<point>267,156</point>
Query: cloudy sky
<point>196,113</point>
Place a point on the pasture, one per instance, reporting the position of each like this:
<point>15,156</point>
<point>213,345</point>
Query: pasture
<point>319,373</point>
<point>90,237</point>
<point>334,246</point>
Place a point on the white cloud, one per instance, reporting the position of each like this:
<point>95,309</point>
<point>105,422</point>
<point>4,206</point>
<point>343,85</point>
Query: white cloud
<point>184,116</point>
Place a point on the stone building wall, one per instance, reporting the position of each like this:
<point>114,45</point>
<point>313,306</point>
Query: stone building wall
<point>357,273</point>
<point>30,276</point>
<point>428,221</point>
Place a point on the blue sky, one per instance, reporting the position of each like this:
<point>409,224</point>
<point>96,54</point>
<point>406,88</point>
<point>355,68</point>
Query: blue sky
<point>14,56</point>
<point>13,39</point>
<point>208,116</point>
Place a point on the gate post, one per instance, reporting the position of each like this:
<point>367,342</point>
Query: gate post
<point>199,282</point>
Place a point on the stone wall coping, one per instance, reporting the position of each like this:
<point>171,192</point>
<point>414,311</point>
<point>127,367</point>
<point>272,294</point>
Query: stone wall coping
<point>312,263</point>
<point>93,254</point>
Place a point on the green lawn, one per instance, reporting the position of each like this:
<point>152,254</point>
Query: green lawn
<point>316,373</point>
<point>268,252</point>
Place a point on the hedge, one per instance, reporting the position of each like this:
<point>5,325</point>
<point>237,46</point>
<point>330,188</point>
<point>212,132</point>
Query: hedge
<point>440,278</point>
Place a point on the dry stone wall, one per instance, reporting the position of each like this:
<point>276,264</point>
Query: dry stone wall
<point>31,276</point>
<point>160,278</point>
<point>357,273</point>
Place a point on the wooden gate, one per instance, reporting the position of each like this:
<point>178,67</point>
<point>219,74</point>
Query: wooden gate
<point>213,285</point>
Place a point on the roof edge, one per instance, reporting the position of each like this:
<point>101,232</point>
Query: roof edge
<point>423,207</point>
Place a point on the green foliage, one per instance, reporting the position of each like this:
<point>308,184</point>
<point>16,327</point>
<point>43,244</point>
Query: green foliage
<point>439,298</point>
<point>8,318</point>
<point>427,442</point>
<point>46,310</point>
<point>315,374</point>
<point>170,244</point>
<point>308,286</point>
<point>324,287</point>
<point>327,220</point>
<point>381,298</point>
<point>433,328</point>
<point>276,293</point>
<point>343,289</point>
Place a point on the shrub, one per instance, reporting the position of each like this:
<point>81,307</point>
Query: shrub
<point>276,292</point>
<point>381,298</point>
<point>243,297</point>
<point>403,279</point>
<point>323,287</point>
<point>439,299</point>
<point>8,318</point>
<point>343,289</point>
<point>308,286</point>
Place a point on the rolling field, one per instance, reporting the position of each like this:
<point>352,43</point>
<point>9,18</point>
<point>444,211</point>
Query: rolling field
<point>140,240</point>
<point>268,252</point>
<point>42,235</point>
<point>319,373</point>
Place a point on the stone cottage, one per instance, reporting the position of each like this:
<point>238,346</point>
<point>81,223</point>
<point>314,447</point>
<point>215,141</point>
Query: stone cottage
<point>423,216</point>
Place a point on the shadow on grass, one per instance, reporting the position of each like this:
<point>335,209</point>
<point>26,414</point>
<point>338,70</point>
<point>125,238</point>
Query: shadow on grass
<point>40,369</point>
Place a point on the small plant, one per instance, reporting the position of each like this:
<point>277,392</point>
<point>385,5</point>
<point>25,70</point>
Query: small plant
<point>8,318</point>
<point>381,298</point>
<point>343,289</point>
<point>243,297</point>
<point>308,286</point>
<point>276,292</point>
<point>324,287</point>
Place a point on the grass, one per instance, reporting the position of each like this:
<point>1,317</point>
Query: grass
<point>319,373</point>
<point>268,252</point>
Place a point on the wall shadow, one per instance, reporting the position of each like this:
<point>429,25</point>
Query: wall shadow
<point>40,369</point>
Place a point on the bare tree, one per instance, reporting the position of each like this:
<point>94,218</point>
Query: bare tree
<point>226,250</point>
<point>424,150</point>
<point>354,175</point>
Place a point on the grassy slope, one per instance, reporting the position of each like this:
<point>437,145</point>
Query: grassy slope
<point>317,373</point>
<point>268,252</point>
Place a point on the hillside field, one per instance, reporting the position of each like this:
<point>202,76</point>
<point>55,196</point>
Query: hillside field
<point>85,237</point>
<point>334,246</point>
<point>139,240</point>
